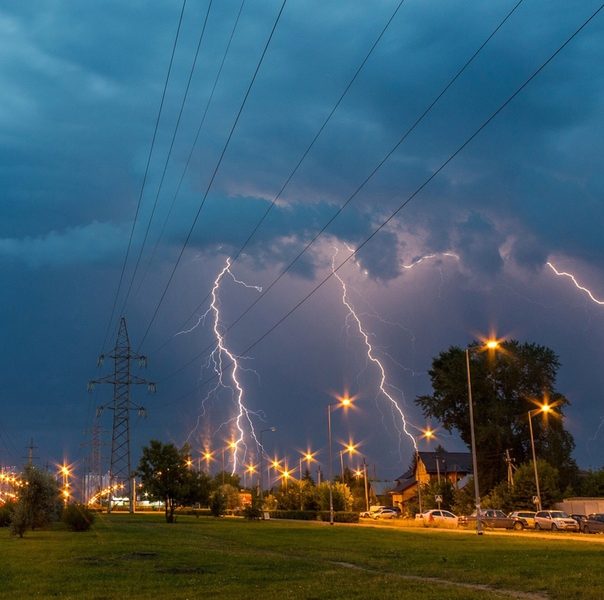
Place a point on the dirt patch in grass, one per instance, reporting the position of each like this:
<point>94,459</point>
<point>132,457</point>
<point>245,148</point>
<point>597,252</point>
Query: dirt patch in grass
<point>477,587</point>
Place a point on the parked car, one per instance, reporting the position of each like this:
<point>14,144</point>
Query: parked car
<point>496,519</point>
<point>581,519</point>
<point>594,523</point>
<point>372,509</point>
<point>555,520</point>
<point>436,517</point>
<point>384,513</point>
<point>524,519</point>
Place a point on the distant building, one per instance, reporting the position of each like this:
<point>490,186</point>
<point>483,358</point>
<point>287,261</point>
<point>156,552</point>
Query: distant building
<point>581,506</point>
<point>428,467</point>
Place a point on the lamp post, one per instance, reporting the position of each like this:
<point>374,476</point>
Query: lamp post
<point>490,345</point>
<point>309,457</point>
<point>345,402</point>
<point>366,484</point>
<point>207,456</point>
<point>251,469</point>
<point>351,449</point>
<point>231,446</point>
<point>261,457</point>
<point>427,434</point>
<point>65,472</point>
<point>545,409</point>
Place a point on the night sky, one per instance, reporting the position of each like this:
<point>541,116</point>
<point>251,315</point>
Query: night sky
<point>81,90</point>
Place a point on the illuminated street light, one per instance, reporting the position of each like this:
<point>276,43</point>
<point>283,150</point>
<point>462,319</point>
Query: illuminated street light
<point>208,457</point>
<point>65,472</point>
<point>351,449</point>
<point>251,469</point>
<point>427,434</point>
<point>309,457</point>
<point>345,402</point>
<point>491,345</point>
<point>272,429</point>
<point>543,409</point>
<point>285,476</point>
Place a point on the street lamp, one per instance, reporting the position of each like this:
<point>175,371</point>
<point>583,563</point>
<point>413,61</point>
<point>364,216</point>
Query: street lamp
<point>261,456</point>
<point>344,402</point>
<point>251,469</point>
<point>208,457</point>
<point>309,457</point>
<point>427,434</point>
<point>490,345</point>
<point>65,473</point>
<point>231,446</point>
<point>351,449</point>
<point>545,409</point>
<point>285,475</point>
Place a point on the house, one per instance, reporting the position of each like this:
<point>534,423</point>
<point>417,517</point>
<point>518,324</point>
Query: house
<point>428,467</point>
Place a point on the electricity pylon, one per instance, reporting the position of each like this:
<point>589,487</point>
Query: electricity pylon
<point>120,470</point>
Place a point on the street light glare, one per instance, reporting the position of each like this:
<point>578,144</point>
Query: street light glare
<point>429,433</point>
<point>492,344</point>
<point>308,456</point>
<point>351,448</point>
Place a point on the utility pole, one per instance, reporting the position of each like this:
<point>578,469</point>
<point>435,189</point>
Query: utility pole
<point>30,453</point>
<point>120,470</point>
<point>510,463</point>
<point>93,478</point>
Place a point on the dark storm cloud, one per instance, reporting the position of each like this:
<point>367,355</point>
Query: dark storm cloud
<point>81,93</point>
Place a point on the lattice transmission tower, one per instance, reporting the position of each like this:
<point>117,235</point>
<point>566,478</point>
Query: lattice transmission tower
<point>120,469</point>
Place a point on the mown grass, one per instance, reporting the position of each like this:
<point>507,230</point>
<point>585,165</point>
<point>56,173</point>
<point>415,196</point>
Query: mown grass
<point>143,557</point>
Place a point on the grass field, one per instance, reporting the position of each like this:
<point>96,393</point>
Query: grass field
<point>143,557</point>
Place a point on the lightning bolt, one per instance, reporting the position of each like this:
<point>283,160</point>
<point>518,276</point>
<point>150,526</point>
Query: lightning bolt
<point>220,356</point>
<point>421,259</point>
<point>577,284</point>
<point>370,353</point>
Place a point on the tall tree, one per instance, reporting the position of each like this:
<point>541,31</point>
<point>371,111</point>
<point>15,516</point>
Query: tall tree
<point>165,474</point>
<point>506,385</point>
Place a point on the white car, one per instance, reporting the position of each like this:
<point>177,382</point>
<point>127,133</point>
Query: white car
<point>555,520</point>
<point>436,517</point>
<point>384,513</point>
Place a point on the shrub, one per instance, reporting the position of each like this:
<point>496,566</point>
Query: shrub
<point>340,516</point>
<point>77,517</point>
<point>6,512</point>
<point>218,503</point>
<point>251,512</point>
<point>301,515</point>
<point>20,520</point>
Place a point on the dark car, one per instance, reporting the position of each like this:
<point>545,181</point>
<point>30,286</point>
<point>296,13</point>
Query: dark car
<point>496,519</point>
<point>581,519</point>
<point>594,523</point>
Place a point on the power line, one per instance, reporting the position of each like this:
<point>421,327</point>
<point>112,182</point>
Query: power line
<point>169,155</point>
<point>303,156</point>
<point>408,199</point>
<point>140,196</point>
<point>362,184</point>
<point>247,93</point>
<point>199,128</point>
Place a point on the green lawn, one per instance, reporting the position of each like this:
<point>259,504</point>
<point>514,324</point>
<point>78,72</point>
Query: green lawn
<point>143,557</point>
